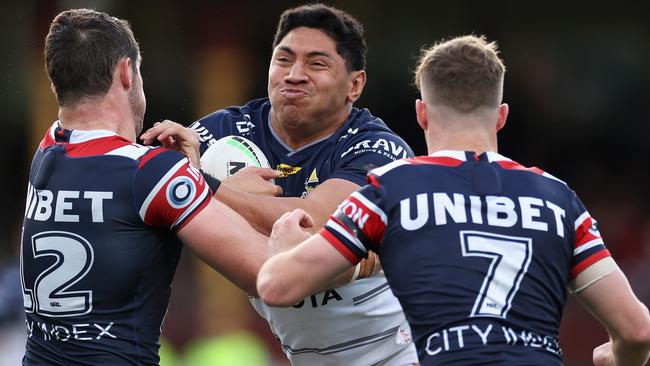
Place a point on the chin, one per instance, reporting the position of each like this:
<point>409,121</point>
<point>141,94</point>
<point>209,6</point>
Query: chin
<point>290,116</point>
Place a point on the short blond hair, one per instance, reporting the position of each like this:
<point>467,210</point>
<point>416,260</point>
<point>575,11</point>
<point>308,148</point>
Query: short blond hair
<point>463,73</point>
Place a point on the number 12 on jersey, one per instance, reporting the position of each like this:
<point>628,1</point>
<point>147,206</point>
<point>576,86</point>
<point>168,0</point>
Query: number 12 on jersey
<point>510,257</point>
<point>50,293</point>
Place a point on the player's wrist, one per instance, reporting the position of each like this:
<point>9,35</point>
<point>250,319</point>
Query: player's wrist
<point>211,181</point>
<point>357,271</point>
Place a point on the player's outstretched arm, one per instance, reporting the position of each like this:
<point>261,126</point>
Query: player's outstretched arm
<point>260,211</point>
<point>225,241</point>
<point>263,211</point>
<point>612,301</point>
<point>292,275</point>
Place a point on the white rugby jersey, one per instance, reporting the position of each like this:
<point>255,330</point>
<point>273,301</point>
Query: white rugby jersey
<point>357,324</point>
<point>361,323</point>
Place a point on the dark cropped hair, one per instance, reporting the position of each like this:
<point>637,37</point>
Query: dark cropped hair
<point>82,49</point>
<point>344,29</point>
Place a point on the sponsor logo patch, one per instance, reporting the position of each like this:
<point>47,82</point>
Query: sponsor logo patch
<point>287,170</point>
<point>180,192</point>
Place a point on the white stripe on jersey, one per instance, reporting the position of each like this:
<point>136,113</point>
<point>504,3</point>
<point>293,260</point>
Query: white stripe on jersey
<point>371,206</point>
<point>341,230</point>
<point>386,168</point>
<point>191,209</point>
<point>580,220</point>
<point>130,151</point>
<point>588,245</point>
<point>79,136</point>
<point>493,156</point>
<point>56,124</point>
<point>455,154</point>
<point>550,176</point>
<point>159,185</point>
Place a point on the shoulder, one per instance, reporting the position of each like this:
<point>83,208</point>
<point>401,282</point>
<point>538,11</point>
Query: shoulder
<point>158,165</point>
<point>159,155</point>
<point>508,164</point>
<point>391,168</point>
<point>234,120</point>
<point>363,120</point>
<point>232,114</point>
<point>365,133</point>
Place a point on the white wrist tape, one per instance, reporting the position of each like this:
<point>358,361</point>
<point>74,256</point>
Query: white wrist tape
<point>357,270</point>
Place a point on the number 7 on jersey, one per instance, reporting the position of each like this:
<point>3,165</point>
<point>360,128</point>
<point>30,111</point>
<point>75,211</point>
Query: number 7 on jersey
<point>510,257</point>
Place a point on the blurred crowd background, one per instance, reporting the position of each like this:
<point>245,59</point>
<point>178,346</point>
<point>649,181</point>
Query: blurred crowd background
<point>578,85</point>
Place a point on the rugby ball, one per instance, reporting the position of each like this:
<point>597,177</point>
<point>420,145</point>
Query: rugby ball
<point>229,155</point>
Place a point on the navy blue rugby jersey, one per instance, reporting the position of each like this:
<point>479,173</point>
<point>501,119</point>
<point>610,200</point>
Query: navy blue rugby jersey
<point>479,250</point>
<point>99,248</point>
<point>362,143</point>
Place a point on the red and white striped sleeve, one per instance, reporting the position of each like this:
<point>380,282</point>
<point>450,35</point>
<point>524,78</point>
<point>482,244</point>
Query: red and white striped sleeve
<point>589,246</point>
<point>169,190</point>
<point>358,225</point>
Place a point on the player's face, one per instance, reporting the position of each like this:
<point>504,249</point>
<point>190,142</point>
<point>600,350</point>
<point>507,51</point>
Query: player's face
<point>137,101</point>
<point>308,81</point>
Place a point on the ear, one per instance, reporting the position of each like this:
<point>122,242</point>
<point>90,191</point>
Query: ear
<point>421,114</point>
<point>502,115</point>
<point>358,81</point>
<point>124,72</point>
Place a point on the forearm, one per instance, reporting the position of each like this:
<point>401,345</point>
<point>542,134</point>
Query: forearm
<point>289,277</point>
<point>227,243</point>
<point>262,211</point>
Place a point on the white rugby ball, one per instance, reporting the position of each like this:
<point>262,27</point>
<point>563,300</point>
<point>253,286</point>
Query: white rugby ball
<point>229,155</point>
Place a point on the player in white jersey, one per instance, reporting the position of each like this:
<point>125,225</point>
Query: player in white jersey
<point>309,130</point>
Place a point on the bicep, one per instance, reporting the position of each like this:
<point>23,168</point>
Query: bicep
<point>228,243</point>
<point>611,300</point>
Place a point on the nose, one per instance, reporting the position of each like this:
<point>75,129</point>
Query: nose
<point>297,74</point>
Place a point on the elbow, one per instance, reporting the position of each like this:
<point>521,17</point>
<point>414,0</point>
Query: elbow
<point>638,336</point>
<point>273,293</point>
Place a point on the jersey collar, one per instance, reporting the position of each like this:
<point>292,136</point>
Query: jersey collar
<point>462,155</point>
<point>76,136</point>
<point>292,151</point>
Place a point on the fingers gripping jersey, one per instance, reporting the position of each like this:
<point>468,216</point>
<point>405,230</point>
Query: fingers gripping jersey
<point>478,249</point>
<point>357,324</point>
<point>98,254</point>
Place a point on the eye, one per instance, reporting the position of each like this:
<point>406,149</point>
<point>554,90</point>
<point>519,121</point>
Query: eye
<point>282,59</point>
<point>318,64</point>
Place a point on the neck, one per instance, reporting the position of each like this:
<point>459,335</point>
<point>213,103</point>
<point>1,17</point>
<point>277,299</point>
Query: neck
<point>297,135</point>
<point>478,141</point>
<point>104,114</point>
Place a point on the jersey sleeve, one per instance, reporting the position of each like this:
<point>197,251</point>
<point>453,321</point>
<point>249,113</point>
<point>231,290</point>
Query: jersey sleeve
<point>169,191</point>
<point>368,151</point>
<point>589,246</point>
<point>358,225</point>
<point>213,127</point>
